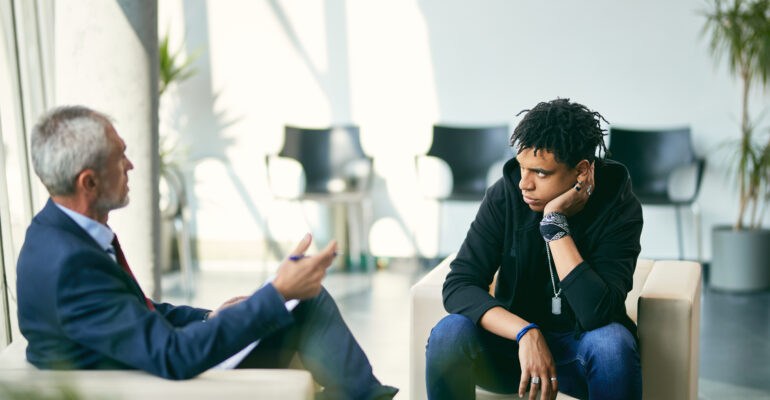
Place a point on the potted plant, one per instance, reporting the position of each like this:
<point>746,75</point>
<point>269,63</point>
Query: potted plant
<point>740,32</point>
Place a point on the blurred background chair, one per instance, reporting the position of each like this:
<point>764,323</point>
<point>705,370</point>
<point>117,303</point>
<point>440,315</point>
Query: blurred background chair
<point>461,163</point>
<point>469,152</point>
<point>332,168</point>
<point>653,157</point>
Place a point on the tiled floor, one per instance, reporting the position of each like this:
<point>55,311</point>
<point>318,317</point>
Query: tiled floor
<point>735,332</point>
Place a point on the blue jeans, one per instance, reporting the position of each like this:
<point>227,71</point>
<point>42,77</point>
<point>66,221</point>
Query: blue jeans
<point>601,364</point>
<point>326,348</point>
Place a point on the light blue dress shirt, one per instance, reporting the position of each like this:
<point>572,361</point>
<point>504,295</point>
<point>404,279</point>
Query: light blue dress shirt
<point>102,234</point>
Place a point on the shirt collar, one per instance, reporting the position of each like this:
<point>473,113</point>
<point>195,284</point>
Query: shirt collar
<point>102,234</point>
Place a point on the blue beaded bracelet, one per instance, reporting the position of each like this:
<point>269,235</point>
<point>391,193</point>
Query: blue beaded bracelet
<point>524,330</point>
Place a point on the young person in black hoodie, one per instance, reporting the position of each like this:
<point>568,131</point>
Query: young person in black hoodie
<point>563,227</point>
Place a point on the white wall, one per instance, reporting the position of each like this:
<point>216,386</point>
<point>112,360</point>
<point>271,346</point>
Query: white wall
<point>397,67</point>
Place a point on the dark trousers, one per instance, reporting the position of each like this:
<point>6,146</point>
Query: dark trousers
<point>326,348</point>
<point>600,364</point>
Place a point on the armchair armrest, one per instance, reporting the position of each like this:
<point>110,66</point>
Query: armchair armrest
<point>427,309</point>
<point>117,384</point>
<point>669,330</point>
<point>19,375</point>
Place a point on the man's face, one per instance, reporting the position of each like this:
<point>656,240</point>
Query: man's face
<point>114,178</point>
<point>543,178</point>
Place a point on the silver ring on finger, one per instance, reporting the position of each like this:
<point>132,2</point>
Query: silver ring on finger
<point>589,189</point>
<point>553,379</point>
<point>535,380</point>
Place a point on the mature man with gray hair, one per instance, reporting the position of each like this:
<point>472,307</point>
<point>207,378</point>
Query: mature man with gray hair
<point>81,308</point>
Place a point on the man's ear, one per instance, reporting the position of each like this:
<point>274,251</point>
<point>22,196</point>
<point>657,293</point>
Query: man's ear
<point>582,167</point>
<point>87,181</point>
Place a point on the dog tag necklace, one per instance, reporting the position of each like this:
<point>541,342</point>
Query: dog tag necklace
<point>556,300</point>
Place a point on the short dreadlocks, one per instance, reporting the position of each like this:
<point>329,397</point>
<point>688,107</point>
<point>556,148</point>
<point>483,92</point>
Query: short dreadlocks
<point>570,131</point>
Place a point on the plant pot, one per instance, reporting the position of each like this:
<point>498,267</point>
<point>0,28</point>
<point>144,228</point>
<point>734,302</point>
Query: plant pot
<point>740,259</point>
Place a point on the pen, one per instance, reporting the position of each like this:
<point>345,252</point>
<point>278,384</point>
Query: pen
<point>301,256</point>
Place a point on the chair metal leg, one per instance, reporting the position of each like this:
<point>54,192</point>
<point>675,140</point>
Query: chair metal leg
<point>353,235</point>
<point>185,257</point>
<point>679,232</point>
<point>341,231</point>
<point>366,224</point>
<point>438,226</point>
<point>695,208</point>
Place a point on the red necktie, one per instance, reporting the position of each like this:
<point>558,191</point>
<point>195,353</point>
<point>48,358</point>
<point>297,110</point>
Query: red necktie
<point>121,258</point>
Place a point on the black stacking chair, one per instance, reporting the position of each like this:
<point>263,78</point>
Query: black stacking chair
<point>336,170</point>
<point>651,157</point>
<point>329,158</point>
<point>469,152</point>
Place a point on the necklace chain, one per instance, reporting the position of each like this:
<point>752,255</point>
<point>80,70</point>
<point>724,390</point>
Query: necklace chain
<point>550,271</point>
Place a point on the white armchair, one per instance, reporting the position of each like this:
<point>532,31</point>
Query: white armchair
<point>243,384</point>
<point>664,302</point>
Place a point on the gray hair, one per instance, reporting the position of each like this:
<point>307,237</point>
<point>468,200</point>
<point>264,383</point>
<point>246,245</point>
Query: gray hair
<point>65,142</point>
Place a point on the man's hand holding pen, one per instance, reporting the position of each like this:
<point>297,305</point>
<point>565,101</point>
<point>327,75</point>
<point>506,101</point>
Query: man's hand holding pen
<point>299,277</point>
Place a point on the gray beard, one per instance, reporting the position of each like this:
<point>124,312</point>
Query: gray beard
<point>105,204</point>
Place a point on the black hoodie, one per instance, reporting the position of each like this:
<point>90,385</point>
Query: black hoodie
<point>506,235</point>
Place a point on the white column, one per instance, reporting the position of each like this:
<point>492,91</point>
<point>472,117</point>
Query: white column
<point>106,59</point>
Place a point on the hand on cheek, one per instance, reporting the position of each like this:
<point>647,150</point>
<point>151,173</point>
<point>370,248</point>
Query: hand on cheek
<point>574,198</point>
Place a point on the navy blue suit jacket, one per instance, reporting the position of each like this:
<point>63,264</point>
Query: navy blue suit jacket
<point>78,309</point>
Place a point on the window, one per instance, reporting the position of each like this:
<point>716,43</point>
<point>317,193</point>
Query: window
<point>25,65</point>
